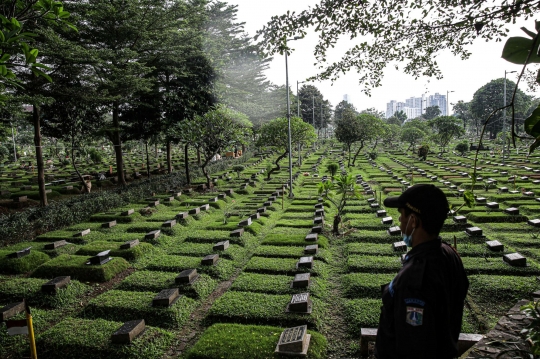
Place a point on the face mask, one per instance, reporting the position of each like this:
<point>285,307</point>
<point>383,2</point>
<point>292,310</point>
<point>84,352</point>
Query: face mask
<point>408,238</point>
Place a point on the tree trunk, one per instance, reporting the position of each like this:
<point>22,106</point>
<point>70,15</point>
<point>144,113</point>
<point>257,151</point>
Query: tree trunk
<point>198,156</point>
<point>86,189</point>
<point>243,149</point>
<point>206,174</point>
<point>337,221</point>
<point>375,145</point>
<point>147,160</point>
<point>278,167</point>
<point>357,152</point>
<point>349,150</point>
<point>186,163</point>
<point>169,159</point>
<point>39,156</point>
<point>117,142</point>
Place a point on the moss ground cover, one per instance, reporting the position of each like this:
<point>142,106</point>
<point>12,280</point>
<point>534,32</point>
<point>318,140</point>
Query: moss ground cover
<point>21,265</point>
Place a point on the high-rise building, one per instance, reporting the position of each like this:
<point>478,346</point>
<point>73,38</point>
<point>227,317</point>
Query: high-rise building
<point>346,98</point>
<point>438,100</point>
<point>415,106</point>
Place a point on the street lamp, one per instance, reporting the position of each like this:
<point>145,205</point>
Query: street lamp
<point>291,195</point>
<point>298,95</point>
<point>504,113</point>
<point>448,103</point>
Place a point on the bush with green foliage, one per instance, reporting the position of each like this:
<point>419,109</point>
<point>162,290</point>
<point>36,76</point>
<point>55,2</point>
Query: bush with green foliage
<point>21,265</point>
<point>30,289</point>
<point>462,147</point>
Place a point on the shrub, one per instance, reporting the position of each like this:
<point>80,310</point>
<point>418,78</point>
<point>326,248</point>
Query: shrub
<point>364,285</point>
<point>276,284</point>
<point>30,289</point>
<point>462,147</point>
<point>131,254</point>
<point>370,264</point>
<point>283,266</point>
<point>235,341</point>
<point>360,313</point>
<point>283,239</point>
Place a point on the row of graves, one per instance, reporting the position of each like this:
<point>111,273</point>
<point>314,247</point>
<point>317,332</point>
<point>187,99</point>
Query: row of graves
<point>19,183</point>
<point>497,239</point>
<point>126,283</point>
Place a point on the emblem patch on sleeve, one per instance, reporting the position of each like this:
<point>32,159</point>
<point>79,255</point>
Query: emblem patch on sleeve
<point>415,316</point>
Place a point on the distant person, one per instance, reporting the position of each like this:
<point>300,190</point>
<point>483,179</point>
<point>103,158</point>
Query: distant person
<point>87,187</point>
<point>422,306</point>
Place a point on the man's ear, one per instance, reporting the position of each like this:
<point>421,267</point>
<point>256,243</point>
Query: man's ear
<point>415,221</point>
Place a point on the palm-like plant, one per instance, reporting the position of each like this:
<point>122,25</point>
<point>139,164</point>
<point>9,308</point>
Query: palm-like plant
<point>332,169</point>
<point>339,192</point>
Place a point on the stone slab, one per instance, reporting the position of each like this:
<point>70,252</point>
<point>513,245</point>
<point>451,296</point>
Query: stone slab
<point>187,276</point>
<point>11,310</point>
<point>53,285</point>
<point>108,224</point>
<point>495,246</point>
<point>166,298</point>
<point>221,246</point>
<point>153,234</point>
<point>128,332</point>
<point>210,260</point>
<point>130,244</point>
<point>55,245</point>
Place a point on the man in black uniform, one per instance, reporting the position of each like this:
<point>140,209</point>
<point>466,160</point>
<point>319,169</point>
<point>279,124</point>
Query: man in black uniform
<point>423,305</point>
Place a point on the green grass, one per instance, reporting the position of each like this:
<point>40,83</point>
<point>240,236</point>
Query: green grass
<point>373,264</point>
<point>277,284</point>
<point>118,305</point>
<point>152,281</point>
<point>76,267</point>
<point>90,339</point>
<point>21,265</point>
<point>171,263</point>
<point>128,254</point>
<point>362,313</point>
<point>235,341</point>
<point>257,308</point>
<point>30,289</point>
<point>495,217</point>
<point>278,239</point>
<point>364,285</point>
<point>496,266</point>
<point>289,252</point>
<point>234,252</point>
<point>283,266</point>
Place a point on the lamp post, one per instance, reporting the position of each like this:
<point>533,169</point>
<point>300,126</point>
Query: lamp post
<point>504,114</point>
<point>448,103</point>
<point>291,195</point>
<point>298,95</point>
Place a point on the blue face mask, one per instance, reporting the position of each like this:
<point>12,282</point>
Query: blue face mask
<point>408,238</point>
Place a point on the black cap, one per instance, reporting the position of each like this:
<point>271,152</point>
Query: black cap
<point>425,200</point>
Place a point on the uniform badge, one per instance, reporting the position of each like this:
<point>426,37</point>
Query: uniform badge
<point>415,316</point>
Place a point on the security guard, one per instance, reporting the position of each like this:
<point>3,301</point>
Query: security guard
<point>423,305</point>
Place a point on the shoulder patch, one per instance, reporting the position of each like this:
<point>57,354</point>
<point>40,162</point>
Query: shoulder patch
<point>415,301</point>
<point>415,316</point>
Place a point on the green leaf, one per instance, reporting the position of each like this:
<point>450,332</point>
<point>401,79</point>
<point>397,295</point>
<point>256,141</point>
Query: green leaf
<point>5,57</point>
<point>468,197</point>
<point>529,32</point>
<point>534,145</point>
<point>532,123</point>
<point>517,49</point>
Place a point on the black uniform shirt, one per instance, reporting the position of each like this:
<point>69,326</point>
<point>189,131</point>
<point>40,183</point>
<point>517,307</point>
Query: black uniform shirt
<point>423,305</point>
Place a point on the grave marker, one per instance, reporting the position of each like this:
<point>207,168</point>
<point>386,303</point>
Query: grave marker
<point>180,216</point>
<point>210,260</point>
<point>195,211</point>
<point>460,219</point>
<point>166,298</point>
<point>534,222</point>
<point>205,207</point>
<point>300,303</point>
<point>55,245</point>
<point>512,211</point>
<point>11,310</point>
<point>399,246</point>
<point>100,258</point>
<point>130,244</point>
<point>515,260</point>
<point>108,224</point>
<point>221,246</point>
<point>129,212</point>
<point>52,286</point>
<point>387,220</point>
<point>237,232</point>
<point>394,231</point>
<point>316,229</point>
<point>311,249</point>
<point>305,262</point>
<point>128,332</point>
<point>301,280</point>
<point>153,234</point>
<point>82,233</point>
<point>246,222</point>
<point>169,224</point>
<point>20,254</point>
<point>492,205</point>
<point>495,246</point>
<point>187,276</point>
<point>381,213</point>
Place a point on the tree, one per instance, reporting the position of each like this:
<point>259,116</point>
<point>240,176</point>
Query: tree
<point>346,189</point>
<point>432,112</point>
<point>341,107</point>
<point>490,97</point>
<point>332,169</point>
<point>311,103</point>
<point>347,130</point>
<point>401,116</point>
<point>462,147</point>
<point>220,128</point>
<point>413,132</point>
<point>379,114</point>
<point>393,120</point>
<point>391,134</point>
<point>445,129</point>
<point>275,134</point>
<point>462,110</point>
<point>429,28</point>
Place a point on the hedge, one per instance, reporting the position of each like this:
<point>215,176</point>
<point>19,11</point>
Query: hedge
<point>257,308</point>
<point>90,339</point>
<point>289,252</point>
<point>119,305</point>
<point>171,263</point>
<point>235,341</point>
<point>277,284</point>
<point>362,313</point>
<point>234,252</point>
<point>364,285</point>
<point>373,264</point>
<point>283,266</point>
<point>283,239</point>
<point>496,266</point>
<point>130,254</point>
<point>76,267</point>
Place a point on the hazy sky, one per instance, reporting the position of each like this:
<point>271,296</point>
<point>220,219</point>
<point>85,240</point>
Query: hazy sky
<point>463,77</point>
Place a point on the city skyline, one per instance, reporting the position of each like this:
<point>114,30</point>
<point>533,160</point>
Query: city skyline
<point>414,107</point>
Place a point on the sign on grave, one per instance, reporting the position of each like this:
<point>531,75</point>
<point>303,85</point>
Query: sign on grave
<point>515,260</point>
<point>534,222</point>
<point>52,286</point>
<point>492,205</point>
<point>108,224</point>
<point>195,211</point>
<point>319,206</point>
<point>82,233</point>
<point>374,205</point>
<point>128,332</point>
<point>318,220</point>
<point>166,298</point>
<point>130,244</point>
<point>305,262</point>
<point>301,280</point>
<point>316,229</point>
<point>153,234</point>
<point>312,237</point>
<point>129,212</point>
<point>387,220</point>
<point>20,254</point>
<point>495,246</point>
<point>11,310</point>
<point>101,258</point>
<point>187,276</point>
<point>20,199</point>
<point>381,213</point>
<point>261,210</point>
<point>255,216</point>
<point>311,249</point>
<point>246,222</point>
<point>300,303</point>
<point>512,211</point>
<point>394,231</point>
<point>237,232</point>
<point>503,189</point>
<point>399,246</point>
<point>480,200</point>
<point>169,224</point>
<point>182,215</point>
<point>528,194</point>
<point>205,207</point>
<point>460,219</point>
<point>221,246</point>
<point>210,260</point>
<point>55,245</point>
